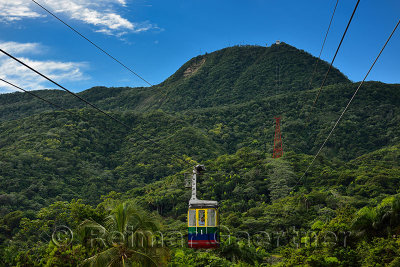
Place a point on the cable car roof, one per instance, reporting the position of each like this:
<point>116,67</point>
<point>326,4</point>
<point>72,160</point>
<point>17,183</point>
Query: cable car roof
<point>197,203</point>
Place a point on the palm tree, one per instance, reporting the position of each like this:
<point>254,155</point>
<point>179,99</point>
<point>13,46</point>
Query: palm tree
<point>390,215</point>
<point>128,235</point>
<point>366,222</point>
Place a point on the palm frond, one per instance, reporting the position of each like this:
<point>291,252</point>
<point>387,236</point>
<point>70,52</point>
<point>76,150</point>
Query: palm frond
<point>105,258</point>
<point>136,231</point>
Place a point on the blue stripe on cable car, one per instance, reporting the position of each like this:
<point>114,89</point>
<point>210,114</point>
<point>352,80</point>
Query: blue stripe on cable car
<point>211,236</point>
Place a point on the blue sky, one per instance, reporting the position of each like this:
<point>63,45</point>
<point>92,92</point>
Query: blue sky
<point>155,37</point>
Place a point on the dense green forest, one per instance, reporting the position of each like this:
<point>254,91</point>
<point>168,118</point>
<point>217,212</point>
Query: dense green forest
<point>66,177</point>
<point>229,76</point>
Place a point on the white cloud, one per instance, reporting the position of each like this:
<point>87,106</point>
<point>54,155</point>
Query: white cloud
<point>100,14</point>
<point>12,10</point>
<point>21,48</point>
<point>16,73</point>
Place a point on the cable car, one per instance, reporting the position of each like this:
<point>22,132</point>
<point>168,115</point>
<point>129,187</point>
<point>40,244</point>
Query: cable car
<point>203,228</point>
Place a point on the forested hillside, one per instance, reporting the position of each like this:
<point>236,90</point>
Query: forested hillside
<point>64,168</point>
<point>229,76</point>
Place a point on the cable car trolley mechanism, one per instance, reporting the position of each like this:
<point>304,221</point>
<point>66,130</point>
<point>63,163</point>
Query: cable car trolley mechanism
<point>203,228</point>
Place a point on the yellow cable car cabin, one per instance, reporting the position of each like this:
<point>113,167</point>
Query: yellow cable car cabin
<point>203,230</point>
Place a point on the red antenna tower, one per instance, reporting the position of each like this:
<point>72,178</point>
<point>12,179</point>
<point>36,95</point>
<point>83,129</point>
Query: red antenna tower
<point>278,151</point>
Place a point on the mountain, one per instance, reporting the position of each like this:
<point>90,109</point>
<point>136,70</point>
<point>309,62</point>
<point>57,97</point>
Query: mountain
<point>75,150</point>
<point>240,74</point>
<point>218,109</point>
<point>232,75</point>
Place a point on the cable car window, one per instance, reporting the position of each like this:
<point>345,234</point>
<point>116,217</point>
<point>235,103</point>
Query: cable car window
<point>192,217</point>
<point>211,217</point>
<point>202,218</point>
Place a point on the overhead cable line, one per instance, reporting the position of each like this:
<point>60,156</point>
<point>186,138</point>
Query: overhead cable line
<point>95,45</point>
<point>92,105</point>
<point>37,96</point>
<point>322,48</point>
<point>348,104</point>
<point>334,57</point>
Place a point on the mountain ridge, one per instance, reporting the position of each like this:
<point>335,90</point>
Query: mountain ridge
<point>228,76</point>
<point>63,168</point>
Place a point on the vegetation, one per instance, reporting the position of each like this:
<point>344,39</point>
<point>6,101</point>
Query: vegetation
<point>130,233</point>
<point>232,75</point>
<point>77,188</point>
